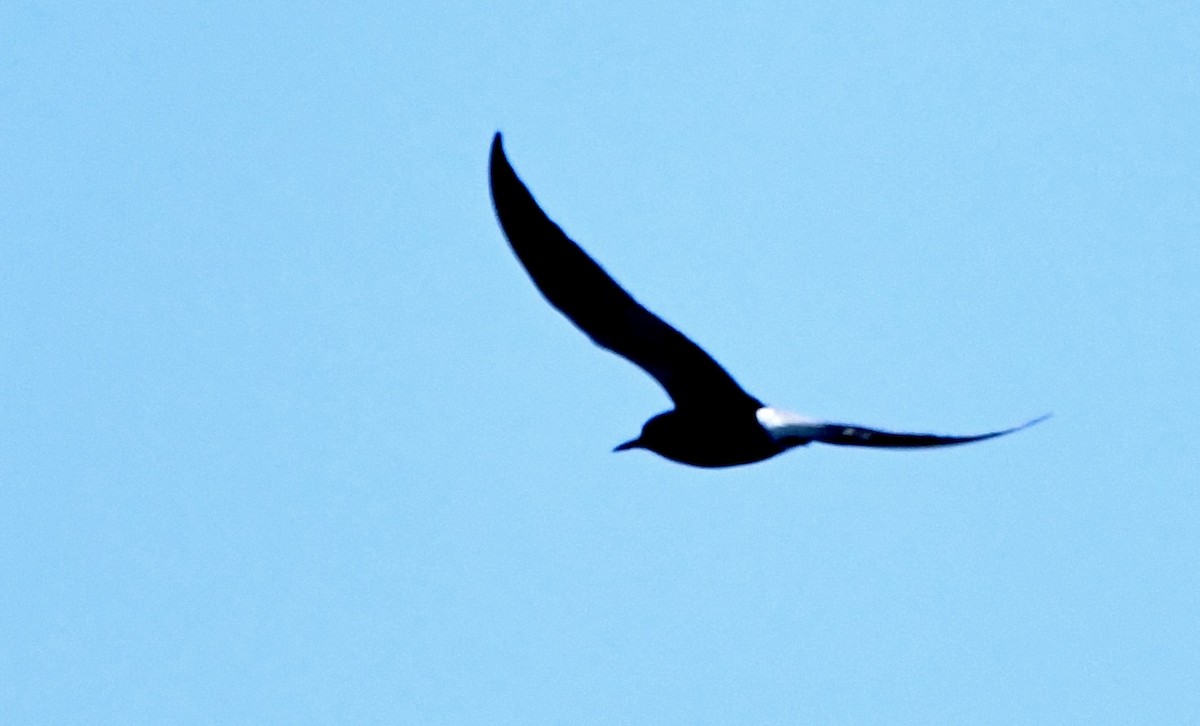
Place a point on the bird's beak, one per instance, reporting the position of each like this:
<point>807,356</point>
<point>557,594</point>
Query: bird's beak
<point>633,444</point>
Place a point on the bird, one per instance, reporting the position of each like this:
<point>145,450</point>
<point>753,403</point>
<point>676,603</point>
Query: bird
<point>715,422</point>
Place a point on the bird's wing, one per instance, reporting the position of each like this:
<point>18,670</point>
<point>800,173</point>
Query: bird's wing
<point>850,435</point>
<point>597,305</point>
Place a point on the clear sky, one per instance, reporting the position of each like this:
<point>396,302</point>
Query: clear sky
<point>287,436</point>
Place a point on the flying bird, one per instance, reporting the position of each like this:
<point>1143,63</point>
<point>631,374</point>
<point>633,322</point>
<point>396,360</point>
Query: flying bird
<point>715,423</point>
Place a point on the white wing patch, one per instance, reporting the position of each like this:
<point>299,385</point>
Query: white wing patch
<point>782,424</point>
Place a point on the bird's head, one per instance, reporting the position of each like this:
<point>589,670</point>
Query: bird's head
<point>655,432</point>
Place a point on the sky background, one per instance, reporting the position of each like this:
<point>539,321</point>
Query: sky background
<point>287,435</point>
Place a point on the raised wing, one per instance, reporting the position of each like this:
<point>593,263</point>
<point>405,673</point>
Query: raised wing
<point>581,290</point>
<point>848,435</point>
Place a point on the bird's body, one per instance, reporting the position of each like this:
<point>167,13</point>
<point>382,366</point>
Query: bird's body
<point>708,438</point>
<point>715,423</point>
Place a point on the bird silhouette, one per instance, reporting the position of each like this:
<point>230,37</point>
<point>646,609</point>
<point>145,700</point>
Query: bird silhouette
<point>715,423</point>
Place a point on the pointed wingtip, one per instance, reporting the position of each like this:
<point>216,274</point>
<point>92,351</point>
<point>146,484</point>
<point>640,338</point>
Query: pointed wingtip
<point>1014,429</point>
<point>498,162</point>
<point>1034,421</point>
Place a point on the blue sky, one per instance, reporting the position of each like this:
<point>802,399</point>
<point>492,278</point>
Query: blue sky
<point>287,435</point>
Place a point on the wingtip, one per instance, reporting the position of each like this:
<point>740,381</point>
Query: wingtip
<point>1018,427</point>
<point>1035,421</point>
<point>1021,427</point>
<point>498,162</point>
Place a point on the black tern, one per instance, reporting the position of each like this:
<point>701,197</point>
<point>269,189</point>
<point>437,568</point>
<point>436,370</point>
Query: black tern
<point>714,423</point>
